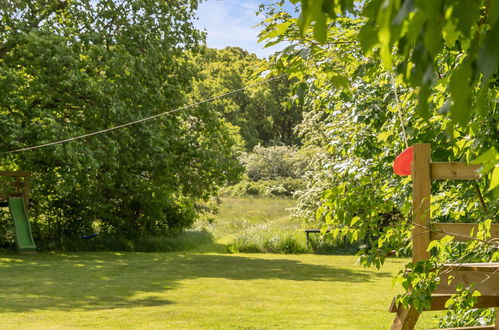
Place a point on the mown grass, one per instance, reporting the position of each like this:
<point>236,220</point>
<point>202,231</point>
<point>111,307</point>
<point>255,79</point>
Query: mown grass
<point>202,288</point>
<point>193,290</point>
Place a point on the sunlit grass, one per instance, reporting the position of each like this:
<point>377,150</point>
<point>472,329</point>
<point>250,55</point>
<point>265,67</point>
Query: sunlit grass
<point>240,214</point>
<point>197,289</point>
<point>193,290</point>
<point>237,212</point>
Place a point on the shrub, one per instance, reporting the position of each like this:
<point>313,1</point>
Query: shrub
<point>7,234</point>
<point>329,245</point>
<point>271,163</point>
<point>285,244</point>
<point>259,240</point>
<point>283,187</point>
<point>173,242</point>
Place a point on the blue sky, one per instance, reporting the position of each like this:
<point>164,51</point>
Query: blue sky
<point>232,23</point>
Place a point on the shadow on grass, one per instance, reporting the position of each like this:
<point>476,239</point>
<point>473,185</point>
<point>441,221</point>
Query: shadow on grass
<point>124,280</point>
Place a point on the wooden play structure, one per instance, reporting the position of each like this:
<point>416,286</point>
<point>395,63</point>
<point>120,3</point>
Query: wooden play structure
<point>15,184</point>
<point>14,193</point>
<point>485,276</point>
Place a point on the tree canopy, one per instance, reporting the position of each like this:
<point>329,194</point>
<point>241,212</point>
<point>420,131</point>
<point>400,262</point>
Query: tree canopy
<point>447,50</point>
<point>264,113</point>
<point>72,67</point>
<point>372,84</point>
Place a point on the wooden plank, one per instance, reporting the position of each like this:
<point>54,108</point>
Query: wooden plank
<point>473,266</point>
<point>438,302</point>
<point>421,181</point>
<point>461,231</point>
<point>18,184</point>
<point>27,180</point>
<point>487,282</point>
<point>455,171</point>
<point>480,327</point>
<point>15,173</point>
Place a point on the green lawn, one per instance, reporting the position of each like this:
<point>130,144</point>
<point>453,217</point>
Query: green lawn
<point>203,288</point>
<point>193,290</point>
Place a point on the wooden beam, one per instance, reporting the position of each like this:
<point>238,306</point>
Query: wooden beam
<point>461,231</point>
<point>438,302</point>
<point>485,279</point>
<point>15,173</point>
<point>18,184</point>
<point>479,327</point>
<point>455,171</point>
<point>489,267</point>
<point>421,182</point>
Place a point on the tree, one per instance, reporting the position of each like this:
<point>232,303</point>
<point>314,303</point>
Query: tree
<point>72,67</point>
<point>265,113</point>
<point>359,116</point>
<point>449,43</point>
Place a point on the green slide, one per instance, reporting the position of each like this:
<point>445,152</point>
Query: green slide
<point>24,238</point>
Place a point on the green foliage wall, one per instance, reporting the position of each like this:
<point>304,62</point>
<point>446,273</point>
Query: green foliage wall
<point>375,80</point>
<point>265,113</point>
<point>73,67</point>
<point>268,163</point>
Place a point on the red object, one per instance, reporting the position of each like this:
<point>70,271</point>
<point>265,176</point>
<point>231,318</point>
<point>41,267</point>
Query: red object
<point>402,164</point>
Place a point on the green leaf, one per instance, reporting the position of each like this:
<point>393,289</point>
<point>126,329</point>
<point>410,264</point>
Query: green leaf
<point>368,37</point>
<point>488,55</point>
<point>461,89</point>
<point>467,14</point>
<point>277,30</point>
<point>320,28</point>
<point>354,221</point>
<point>494,181</point>
<point>422,107</point>
<point>488,159</point>
<point>340,81</point>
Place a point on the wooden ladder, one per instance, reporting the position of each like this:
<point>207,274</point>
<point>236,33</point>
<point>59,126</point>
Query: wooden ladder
<point>484,275</point>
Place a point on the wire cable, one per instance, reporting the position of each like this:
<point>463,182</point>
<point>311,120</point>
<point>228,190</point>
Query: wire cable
<point>399,111</point>
<point>140,120</point>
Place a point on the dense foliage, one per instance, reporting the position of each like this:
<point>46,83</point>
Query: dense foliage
<point>450,40</point>
<point>360,114</point>
<point>271,171</point>
<point>73,67</point>
<point>262,113</point>
<point>267,163</point>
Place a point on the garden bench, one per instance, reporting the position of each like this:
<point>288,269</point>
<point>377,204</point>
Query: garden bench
<point>312,231</point>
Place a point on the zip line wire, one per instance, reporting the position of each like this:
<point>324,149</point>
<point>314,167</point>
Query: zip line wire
<point>140,120</point>
<point>399,110</point>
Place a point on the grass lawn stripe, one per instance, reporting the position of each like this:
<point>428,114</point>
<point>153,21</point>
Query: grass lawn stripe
<point>193,290</point>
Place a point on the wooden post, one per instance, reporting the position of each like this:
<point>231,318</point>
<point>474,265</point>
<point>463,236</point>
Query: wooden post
<point>421,182</point>
<point>423,171</point>
<point>27,187</point>
<point>405,319</point>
